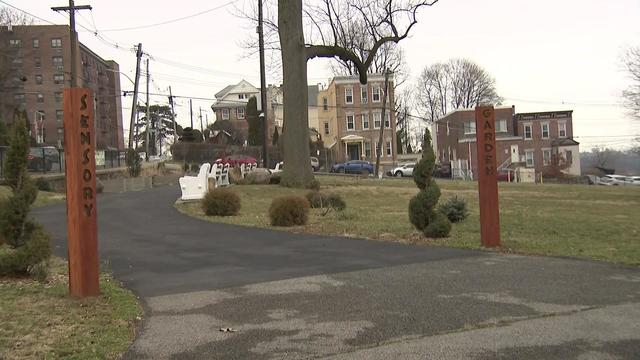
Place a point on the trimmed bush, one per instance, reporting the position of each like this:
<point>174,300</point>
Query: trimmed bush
<point>22,260</point>
<point>314,185</point>
<point>134,164</point>
<point>289,211</point>
<point>422,212</point>
<point>454,209</point>
<point>221,202</point>
<point>316,199</point>
<point>336,202</point>
<point>43,185</point>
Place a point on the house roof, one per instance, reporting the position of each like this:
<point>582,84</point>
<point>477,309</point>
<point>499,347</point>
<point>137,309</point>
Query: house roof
<point>564,142</point>
<point>242,87</point>
<point>223,92</point>
<point>471,109</point>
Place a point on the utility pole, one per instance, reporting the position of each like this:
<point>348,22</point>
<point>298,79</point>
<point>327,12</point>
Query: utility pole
<point>148,117</point>
<point>382,120</point>
<point>191,112</point>
<point>134,106</point>
<point>263,88</point>
<point>72,8</point>
<point>201,128</point>
<point>173,117</point>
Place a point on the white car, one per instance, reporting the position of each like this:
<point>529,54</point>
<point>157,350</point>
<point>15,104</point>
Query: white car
<point>404,170</point>
<point>613,180</point>
<point>632,180</point>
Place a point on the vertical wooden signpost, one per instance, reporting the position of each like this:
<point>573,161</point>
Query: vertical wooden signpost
<point>487,176</point>
<point>80,171</point>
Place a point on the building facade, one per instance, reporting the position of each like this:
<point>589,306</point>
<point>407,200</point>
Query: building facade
<point>350,118</point>
<point>540,141</point>
<point>35,69</point>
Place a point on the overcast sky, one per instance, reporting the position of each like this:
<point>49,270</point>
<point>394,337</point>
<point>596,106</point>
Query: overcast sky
<point>544,54</point>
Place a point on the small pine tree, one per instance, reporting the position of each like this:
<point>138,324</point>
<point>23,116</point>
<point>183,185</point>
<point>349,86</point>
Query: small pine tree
<point>422,213</point>
<point>4,134</point>
<point>134,163</point>
<point>255,126</point>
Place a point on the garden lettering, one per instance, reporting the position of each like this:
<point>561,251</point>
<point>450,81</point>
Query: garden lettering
<point>80,169</point>
<point>487,176</point>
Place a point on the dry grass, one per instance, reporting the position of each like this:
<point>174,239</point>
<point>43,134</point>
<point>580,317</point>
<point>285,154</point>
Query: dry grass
<point>565,220</point>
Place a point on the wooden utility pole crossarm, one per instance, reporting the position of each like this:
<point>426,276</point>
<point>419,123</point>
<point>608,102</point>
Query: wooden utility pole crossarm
<point>72,8</point>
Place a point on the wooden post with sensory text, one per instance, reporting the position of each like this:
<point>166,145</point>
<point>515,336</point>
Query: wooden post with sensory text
<point>487,176</point>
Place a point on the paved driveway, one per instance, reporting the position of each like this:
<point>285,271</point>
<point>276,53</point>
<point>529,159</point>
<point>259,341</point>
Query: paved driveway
<point>292,296</point>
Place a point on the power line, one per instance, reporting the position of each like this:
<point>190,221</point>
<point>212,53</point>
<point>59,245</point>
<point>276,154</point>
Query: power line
<point>28,13</point>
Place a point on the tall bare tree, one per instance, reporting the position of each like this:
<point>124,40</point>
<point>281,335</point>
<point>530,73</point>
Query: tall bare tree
<point>456,84</point>
<point>632,93</point>
<point>331,29</point>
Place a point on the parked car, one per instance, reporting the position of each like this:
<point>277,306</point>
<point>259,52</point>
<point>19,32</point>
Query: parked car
<point>632,180</point>
<point>41,159</point>
<point>404,170</point>
<point>315,164</point>
<point>613,180</point>
<point>353,167</point>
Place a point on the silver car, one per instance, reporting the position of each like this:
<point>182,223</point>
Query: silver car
<point>404,170</point>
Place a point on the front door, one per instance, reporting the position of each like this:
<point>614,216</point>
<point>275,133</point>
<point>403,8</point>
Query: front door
<point>353,151</point>
<point>515,155</point>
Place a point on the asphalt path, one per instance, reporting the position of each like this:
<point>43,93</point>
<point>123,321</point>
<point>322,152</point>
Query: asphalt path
<point>296,296</point>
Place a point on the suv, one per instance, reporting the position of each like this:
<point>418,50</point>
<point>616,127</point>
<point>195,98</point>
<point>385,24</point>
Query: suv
<point>315,164</point>
<point>353,167</point>
<point>404,170</point>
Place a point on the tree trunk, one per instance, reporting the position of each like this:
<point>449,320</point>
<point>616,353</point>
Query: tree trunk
<point>295,133</point>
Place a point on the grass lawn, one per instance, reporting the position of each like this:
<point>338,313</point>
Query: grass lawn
<point>40,321</point>
<point>595,222</point>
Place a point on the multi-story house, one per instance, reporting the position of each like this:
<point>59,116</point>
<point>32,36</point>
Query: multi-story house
<point>350,118</point>
<point>231,104</point>
<point>537,140</point>
<point>36,68</point>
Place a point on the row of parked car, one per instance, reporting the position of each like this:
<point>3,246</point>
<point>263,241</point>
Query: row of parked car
<point>618,180</point>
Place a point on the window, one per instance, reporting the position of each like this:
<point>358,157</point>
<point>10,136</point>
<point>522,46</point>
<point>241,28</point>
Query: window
<point>348,95</point>
<point>36,43</point>
<point>562,129</point>
<point>40,97</point>
<point>58,79</point>
<point>56,43</point>
<point>57,62</point>
<point>17,60</point>
<point>351,124</point>
<point>326,128</point>
<point>387,121</point>
<point>529,157</point>
<point>376,149</point>
<point>469,127</point>
<point>37,62</point>
<point>58,96</point>
<point>546,157</point>
<point>225,114</point>
<point>528,135</point>
<point>376,120</point>
<point>240,113</point>
<point>59,116</point>
<point>325,104</point>
<point>367,149</point>
<point>18,98</point>
<point>568,157</point>
<point>363,95</point>
<point>365,121</point>
<point>39,79</point>
<point>501,126</point>
<point>242,96</point>
<point>15,43</point>
<point>388,148</point>
<point>375,94</point>
<point>448,132</point>
<point>61,133</point>
<point>545,130</point>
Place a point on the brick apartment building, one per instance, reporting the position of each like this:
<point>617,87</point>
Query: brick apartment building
<point>534,140</point>
<point>350,117</point>
<point>34,69</point>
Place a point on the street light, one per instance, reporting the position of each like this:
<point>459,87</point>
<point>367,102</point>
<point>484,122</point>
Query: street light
<point>39,126</point>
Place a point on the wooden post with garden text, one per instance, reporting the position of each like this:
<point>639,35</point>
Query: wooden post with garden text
<point>80,171</point>
<point>487,176</point>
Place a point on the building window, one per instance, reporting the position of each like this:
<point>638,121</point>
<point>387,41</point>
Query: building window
<point>448,131</point>
<point>376,120</point>
<point>58,96</point>
<point>562,129</point>
<point>40,98</point>
<point>225,114</point>
<point>15,43</point>
<point>242,96</point>
<point>37,62</point>
<point>375,150</point>
<point>325,104</point>
<point>58,79</point>
<point>326,128</point>
<point>375,94</point>
<point>39,79</point>
<point>365,121</point>
<point>57,62</point>
<point>36,43</point>
<point>469,127</point>
<point>388,148</point>
<point>546,157</point>
<point>363,95</point>
<point>18,98</point>
<point>348,95</point>
<point>240,113</point>
<point>528,155</point>
<point>351,124</point>
<point>387,121</point>
<point>59,116</point>
<point>17,60</point>
<point>528,134</point>
<point>56,43</point>
<point>568,157</point>
<point>367,149</point>
<point>545,130</point>
<point>501,126</point>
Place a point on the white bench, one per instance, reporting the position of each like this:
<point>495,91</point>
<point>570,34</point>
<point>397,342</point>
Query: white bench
<point>195,187</point>
<point>223,179</point>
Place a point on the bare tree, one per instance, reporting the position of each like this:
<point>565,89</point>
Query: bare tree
<point>456,84</point>
<point>333,28</point>
<point>632,93</point>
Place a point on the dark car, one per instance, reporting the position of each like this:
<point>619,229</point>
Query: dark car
<point>353,167</point>
<point>41,159</point>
